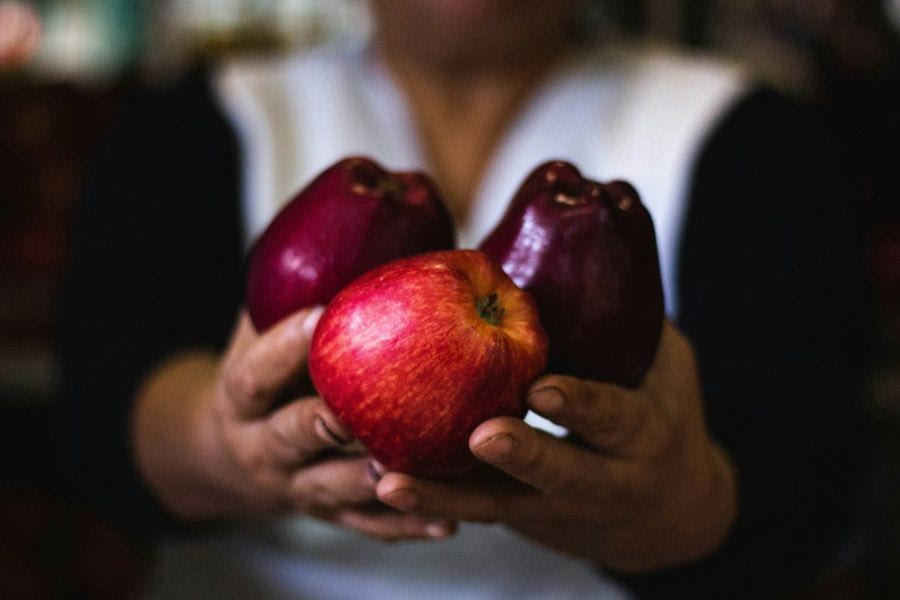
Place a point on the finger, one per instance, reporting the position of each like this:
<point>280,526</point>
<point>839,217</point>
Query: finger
<point>301,429</point>
<point>675,365</point>
<point>242,337</point>
<point>332,484</point>
<point>604,415</point>
<point>456,501</point>
<point>550,465</point>
<point>391,526</point>
<point>674,349</point>
<point>269,363</point>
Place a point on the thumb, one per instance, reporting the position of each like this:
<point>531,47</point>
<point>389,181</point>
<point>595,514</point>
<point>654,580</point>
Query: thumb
<point>258,366</point>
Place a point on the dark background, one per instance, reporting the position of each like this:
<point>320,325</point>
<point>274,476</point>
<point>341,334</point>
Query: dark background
<point>840,56</point>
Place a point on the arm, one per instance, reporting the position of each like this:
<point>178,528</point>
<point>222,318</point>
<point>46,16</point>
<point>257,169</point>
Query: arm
<point>643,487</point>
<point>214,438</point>
<point>155,271</point>
<point>774,300</point>
<point>170,419</point>
<point>771,304</point>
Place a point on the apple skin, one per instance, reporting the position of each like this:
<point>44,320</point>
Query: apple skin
<point>406,357</point>
<point>354,216</point>
<point>587,254</point>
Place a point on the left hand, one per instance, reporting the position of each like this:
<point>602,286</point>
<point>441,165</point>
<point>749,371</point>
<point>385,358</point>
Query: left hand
<point>638,486</point>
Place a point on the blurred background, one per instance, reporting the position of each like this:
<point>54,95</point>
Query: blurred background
<point>67,67</point>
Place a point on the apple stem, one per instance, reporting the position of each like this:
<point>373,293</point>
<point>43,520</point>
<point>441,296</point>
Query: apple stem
<point>489,308</point>
<point>369,179</point>
<point>567,199</point>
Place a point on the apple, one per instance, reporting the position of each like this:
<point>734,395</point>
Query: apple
<point>416,353</point>
<point>587,254</point>
<point>354,216</point>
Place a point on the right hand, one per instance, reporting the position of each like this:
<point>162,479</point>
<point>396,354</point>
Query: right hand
<point>254,454</point>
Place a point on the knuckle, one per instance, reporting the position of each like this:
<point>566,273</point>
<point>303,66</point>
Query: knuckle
<point>581,390</point>
<point>606,429</point>
<point>281,503</point>
<point>615,422</point>
<point>303,498</point>
<point>321,493</point>
<point>312,491</point>
<point>247,455</point>
<point>364,485</point>
<point>432,507</point>
<point>574,390</point>
<point>281,360</point>
<point>241,382</point>
<point>548,381</point>
<point>289,349</point>
<point>643,492</point>
<point>621,419</point>
<point>549,480</point>
<point>534,458</point>
<point>269,485</point>
<point>254,462</point>
<point>665,439</point>
<point>494,511</point>
<point>302,504</point>
<point>292,426</point>
<point>554,481</point>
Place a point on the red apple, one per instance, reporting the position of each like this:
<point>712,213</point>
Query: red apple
<point>351,218</point>
<point>415,354</point>
<point>587,254</point>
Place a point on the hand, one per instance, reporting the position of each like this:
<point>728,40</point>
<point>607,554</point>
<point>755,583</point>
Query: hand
<point>244,451</point>
<point>639,485</point>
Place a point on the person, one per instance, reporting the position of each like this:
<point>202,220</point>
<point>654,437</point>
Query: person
<point>733,470</point>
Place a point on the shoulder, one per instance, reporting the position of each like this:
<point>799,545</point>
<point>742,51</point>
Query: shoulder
<point>767,129</point>
<point>773,214</point>
<point>180,106</point>
<point>314,66</point>
<point>161,125</point>
<point>671,89</point>
<point>171,152</point>
<point>673,69</point>
<point>770,148</point>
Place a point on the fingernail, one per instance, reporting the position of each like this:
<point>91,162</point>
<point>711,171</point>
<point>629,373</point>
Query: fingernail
<point>312,319</point>
<point>376,470</point>
<point>327,434</point>
<point>496,449</point>
<point>403,499</point>
<point>548,400</point>
<point>438,530</point>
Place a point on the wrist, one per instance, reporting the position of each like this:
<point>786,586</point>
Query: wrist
<point>694,518</point>
<point>173,438</point>
<point>221,489</point>
<point>710,505</point>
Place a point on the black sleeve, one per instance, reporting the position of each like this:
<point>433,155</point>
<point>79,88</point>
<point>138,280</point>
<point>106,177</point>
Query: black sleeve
<point>155,269</point>
<point>772,294</point>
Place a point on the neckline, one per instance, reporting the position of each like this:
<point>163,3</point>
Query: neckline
<point>393,111</point>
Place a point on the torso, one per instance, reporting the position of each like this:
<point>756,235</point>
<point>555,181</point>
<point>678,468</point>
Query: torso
<point>297,116</point>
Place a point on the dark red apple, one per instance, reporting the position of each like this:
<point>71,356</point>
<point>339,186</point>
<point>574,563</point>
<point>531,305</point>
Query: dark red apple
<point>415,354</point>
<point>587,254</point>
<point>354,216</point>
